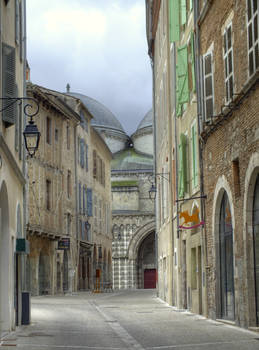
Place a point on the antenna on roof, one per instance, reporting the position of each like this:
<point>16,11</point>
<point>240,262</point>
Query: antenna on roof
<point>68,87</point>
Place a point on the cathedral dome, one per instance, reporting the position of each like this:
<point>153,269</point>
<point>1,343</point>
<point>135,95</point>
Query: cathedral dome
<point>143,136</point>
<point>103,117</point>
<point>147,121</point>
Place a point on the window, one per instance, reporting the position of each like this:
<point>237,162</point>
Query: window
<point>228,63</point>
<point>86,157</point>
<point>56,135</point>
<point>84,199</point>
<point>69,220</point>
<point>48,130</point>
<point>68,136</point>
<point>17,22</point>
<point>9,86</point>
<point>79,197</point>
<point>174,22</point>
<point>182,78</point>
<point>252,32</point>
<point>182,187</point>
<point>208,85</point>
<point>68,184</point>
<point>89,202</point>
<point>194,157</point>
<point>48,194</point>
<point>82,153</point>
<point>94,164</point>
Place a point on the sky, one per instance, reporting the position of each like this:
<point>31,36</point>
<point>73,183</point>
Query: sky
<point>99,47</point>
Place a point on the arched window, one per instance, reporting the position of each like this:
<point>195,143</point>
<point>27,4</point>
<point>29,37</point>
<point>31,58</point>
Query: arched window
<point>226,261</point>
<point>256,244</point>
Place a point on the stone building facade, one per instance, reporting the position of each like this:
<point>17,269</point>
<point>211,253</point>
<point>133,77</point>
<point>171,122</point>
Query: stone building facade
<point>132,210</point>
<point>230,144</point>
<point>52,198</point>
<point>12,165</point>
<point>211,63</point>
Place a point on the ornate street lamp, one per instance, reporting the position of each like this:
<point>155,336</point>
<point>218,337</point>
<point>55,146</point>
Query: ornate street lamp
<point>152,192</point>
<point>31,133</point>
<point>31,138</point>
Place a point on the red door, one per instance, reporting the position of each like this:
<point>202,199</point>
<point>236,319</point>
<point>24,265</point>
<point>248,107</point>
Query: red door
<point>150,278</point>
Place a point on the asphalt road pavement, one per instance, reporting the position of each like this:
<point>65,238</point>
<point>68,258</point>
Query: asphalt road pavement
<point>122,320</point>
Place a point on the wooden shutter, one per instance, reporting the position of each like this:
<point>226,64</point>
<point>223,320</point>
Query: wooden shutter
<point>84,202</point>
<point>182,166</point>
<point>79,197</point>
<point>9,86</point>
<point>86,157</point>
<point>193,63</point>
<point>174,24</point>
<point>82,153</point>
<point>182,78</point>
<point>94,165</point>
<point>194,157</point>
<point>89,202</point>
<point>183,12</point>
<point>17,22</point>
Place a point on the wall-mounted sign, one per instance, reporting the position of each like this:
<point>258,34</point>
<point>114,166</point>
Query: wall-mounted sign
<point>190,221</point>
<point>64,244</point>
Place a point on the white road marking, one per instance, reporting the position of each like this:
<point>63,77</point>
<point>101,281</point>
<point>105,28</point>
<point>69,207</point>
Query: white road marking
<point>121,332</point>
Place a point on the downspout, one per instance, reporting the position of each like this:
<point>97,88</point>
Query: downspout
<point>200,144</point>
<point>24,163</point>
<point>154,160</point>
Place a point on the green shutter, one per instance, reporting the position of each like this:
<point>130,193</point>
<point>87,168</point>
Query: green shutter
<point>192,62</point>
<point>9,86</point>
<point>191,4</point>
<point>182,93</point>
<point>182,166</point>
<point>183,12</point>
<point>194,157</point>
<point>174,24</point>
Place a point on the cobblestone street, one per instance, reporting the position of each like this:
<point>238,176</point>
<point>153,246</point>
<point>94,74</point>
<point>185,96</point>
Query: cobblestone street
<point>122,320</point>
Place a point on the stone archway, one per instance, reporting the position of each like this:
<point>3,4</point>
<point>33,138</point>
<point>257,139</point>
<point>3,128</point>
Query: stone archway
<point>138,256</point>
<point>5,243</point>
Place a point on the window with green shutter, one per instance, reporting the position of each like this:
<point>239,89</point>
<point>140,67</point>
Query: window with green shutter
<point>193,63</point>
<point>194,157</point>
<point>182,181</point>
<point>174,24</point>
<point>8,84</point>
<point>182,92</point>
<point>183,12</point>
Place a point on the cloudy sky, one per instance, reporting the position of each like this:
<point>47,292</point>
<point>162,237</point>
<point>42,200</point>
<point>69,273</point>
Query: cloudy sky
<point>98,47</point>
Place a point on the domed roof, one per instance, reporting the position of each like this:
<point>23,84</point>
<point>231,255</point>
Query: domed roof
<point>103,117</point>
<point>130,159</point>
<point>147,120</point>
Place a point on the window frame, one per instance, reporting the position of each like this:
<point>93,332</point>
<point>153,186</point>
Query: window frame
<point>226,54</point>
<point>204,76</point>
<point>254,42</point>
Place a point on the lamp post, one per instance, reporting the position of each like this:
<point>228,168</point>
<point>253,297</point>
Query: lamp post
<point>152,192</point>
<point>31,133</point>
<point>31,138</point>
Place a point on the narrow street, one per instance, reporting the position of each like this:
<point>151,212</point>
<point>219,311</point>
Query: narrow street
<point>122,320</point>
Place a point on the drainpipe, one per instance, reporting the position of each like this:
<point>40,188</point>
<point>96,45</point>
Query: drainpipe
<point>199,121</point>
<point>176,176</point>
<point>24,164</point>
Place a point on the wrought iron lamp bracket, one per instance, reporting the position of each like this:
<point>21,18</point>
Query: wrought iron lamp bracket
<point>27,107</point>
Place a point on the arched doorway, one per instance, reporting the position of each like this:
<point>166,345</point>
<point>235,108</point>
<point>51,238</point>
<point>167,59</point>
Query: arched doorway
<point>5,312</point>
<point>146,265</point>
<point>227,297</point>
<point>256,244</point>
